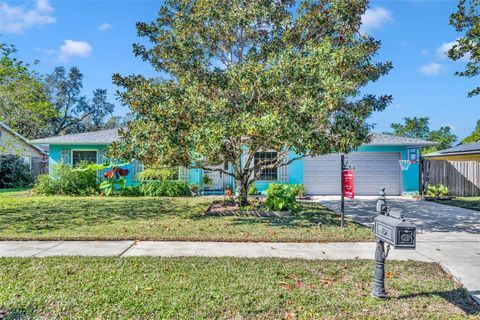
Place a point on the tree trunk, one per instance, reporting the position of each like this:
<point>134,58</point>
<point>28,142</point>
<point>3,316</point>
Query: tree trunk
<point>241,191</point>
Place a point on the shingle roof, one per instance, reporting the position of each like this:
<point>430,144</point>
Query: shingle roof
<point>458,150</point>
<point>380,139</point>
<point>105,137</point>
<point>102,137</point>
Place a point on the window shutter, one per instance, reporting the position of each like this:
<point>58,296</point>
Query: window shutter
<point>100,156</point>
<point>183,174</point>
<point>283,171</point>
<point>65,156</point>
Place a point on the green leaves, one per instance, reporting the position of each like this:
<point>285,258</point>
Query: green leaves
<point>252,74</point>
<point>467,21</point>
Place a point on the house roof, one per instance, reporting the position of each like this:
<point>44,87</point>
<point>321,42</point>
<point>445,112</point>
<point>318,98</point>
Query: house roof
<point>22,138</point>
<point>380,139</point>
<point>105,137</point>
<point>462,152</point>
<point>102,137</point>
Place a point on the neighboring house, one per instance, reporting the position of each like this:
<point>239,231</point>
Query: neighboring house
<point>14,143</point>
<point>457,168</point>
<point>464,152</point>
<point>376,164</point>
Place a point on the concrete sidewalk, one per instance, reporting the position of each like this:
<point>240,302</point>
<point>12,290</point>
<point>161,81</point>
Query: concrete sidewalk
<point>464,264</point>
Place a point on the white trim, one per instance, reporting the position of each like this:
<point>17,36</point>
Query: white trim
<point>72,150</point>
<point>277,168</point>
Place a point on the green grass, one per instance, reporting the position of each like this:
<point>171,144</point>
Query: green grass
<point>224,288</point>
<point>26,217</point>
<point>463,202</point>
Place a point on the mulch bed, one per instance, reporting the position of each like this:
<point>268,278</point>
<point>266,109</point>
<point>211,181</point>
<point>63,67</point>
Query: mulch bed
<point>223,209</point>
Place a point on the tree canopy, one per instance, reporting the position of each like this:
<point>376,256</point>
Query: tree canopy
<point>418,128</point>
<point>24,103</point>
<point>467,21</point>
<point>238,77</point>
<point>75,112</point>
<point>474,136</point>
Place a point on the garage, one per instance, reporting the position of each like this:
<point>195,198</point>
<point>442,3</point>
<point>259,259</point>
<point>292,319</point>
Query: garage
<point>372,172</point>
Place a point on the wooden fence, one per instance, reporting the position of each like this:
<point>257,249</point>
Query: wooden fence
<point>461,177</point>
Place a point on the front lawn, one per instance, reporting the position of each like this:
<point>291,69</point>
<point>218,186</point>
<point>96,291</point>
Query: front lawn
<point>25,217</point>
<point>224,288</point>
<point>463,202</point>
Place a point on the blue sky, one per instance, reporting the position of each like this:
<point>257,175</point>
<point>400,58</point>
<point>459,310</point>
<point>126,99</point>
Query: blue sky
<point>97,37</point>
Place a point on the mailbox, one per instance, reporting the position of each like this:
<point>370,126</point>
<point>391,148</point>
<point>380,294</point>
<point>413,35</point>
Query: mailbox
<point>394,230</point>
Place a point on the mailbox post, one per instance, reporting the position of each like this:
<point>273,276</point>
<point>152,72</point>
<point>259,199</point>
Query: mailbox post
<point>389,227</point>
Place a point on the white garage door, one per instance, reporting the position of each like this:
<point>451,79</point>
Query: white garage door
<point>372,172</point>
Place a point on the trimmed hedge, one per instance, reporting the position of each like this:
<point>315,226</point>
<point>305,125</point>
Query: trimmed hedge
<point>158,188</point>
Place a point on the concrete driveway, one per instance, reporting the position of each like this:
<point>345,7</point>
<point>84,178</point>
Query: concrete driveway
<point>428,216</point>
<point>446,234</point>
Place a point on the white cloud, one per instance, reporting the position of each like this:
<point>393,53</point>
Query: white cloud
<point>48,52</point>
<point>15,19</point>
<point>431,69</point>
<point>443,49</point>
<point>104,26</point>
<point>375,18</point>
<point>452,127</point>
<point>71,48</point>
<point>424,52</point>
<point>397,106</point>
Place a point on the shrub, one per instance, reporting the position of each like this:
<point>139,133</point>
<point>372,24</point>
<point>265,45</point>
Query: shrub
<point>14,172</point>
<point>436,191</point>
<point>157,174</point>
<point>253,191</point>
<point>131,191</point>
<point>65,180</point>
<point>162,188</point>
<point>282,197</point>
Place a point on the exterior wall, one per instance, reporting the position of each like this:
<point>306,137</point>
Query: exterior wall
<point>410,178</point>
<point>59,154</point>
<point>11,144</point>
<point>294,172</point>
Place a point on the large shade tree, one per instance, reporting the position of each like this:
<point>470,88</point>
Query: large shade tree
<point>467,21</point>
<point>24,103</point>
<point>75,112</point>
<point>238,77</point>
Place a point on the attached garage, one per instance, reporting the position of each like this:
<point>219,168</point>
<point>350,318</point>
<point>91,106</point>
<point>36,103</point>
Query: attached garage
<point>373,170</point>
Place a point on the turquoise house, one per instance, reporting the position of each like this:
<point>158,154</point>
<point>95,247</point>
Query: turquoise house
<point>387,161</point>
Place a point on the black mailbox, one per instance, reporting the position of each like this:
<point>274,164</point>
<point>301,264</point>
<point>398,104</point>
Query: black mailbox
<point>394,230</point>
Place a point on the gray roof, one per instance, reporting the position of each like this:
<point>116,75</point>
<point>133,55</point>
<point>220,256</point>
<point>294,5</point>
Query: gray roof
<point>458,150</point>
<point>105,137</point>
<point>102,137</point>
<point>380,139</point>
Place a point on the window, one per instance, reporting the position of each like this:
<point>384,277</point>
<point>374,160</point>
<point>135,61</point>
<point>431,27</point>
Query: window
<point>267,157</point>
<point>79,156</point>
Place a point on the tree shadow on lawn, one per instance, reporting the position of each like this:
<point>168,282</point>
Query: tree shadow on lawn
<point>49,214</point>
<point>458,297</point>
<point>307,216</point>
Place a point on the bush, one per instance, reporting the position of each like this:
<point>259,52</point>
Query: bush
<point>64,180</point>
<point>282,197</point>
<point>14,172</point>
<point>165,188</point>
<point>157,174</point>
<point>131,191</point>
<point>253,191</point>
<point>436,191</point>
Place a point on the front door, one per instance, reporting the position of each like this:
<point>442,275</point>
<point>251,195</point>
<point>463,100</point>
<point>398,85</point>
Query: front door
<point>217,179</point>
